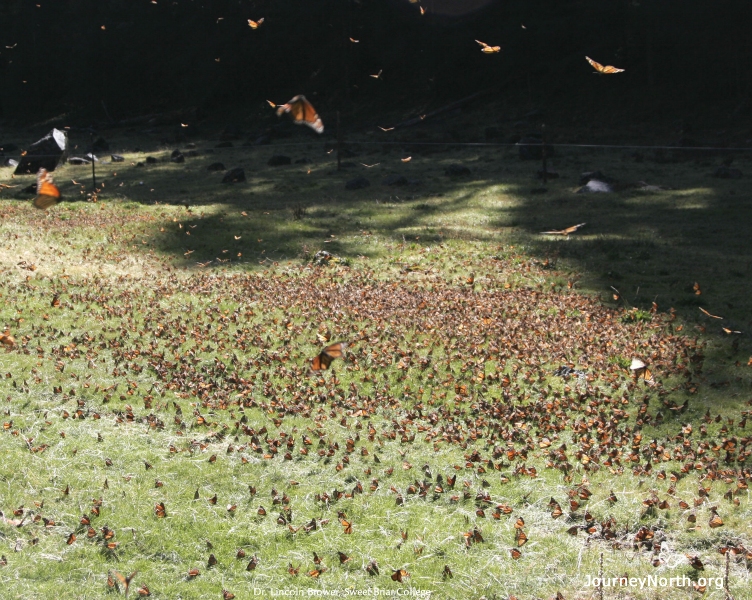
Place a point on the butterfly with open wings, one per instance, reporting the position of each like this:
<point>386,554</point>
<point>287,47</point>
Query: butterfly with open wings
<point>601,70</point>
<point>566,231</point>
<point>641,371</point>
<point>327,356</point>
<point>487,49</point>
<point>302,113</point>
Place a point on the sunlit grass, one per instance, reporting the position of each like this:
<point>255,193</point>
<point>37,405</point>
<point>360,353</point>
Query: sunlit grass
<point>131,252</point>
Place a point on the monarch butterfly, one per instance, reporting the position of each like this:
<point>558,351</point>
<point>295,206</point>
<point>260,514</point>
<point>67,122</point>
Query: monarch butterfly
<point>293,570</point>
<point>521,538</point>
<point>515,553</point>
<point>729,331</point>
<point>372,568</point>
<point>488,49</point>
<point>303,113</point>
<point>124,581</point>
<point>557,512</point>
<point>255,24</point>
<point>566,231</point>
<point>6,339</point>
<point>399,574</point>
<point>55,301</point>
<point>607,70</point>
<point>347,526</point>
<point>47,192</point>
<point>327,355</point>
<point>641,371</point>
<point>715,521</point>
<point>343,558</point>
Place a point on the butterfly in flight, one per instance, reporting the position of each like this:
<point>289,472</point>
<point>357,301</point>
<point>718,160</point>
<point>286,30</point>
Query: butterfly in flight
<point>566,231</point>
<point>607,70</point>
<point>485,48</point>
<point>255,24</point>
<point>327,356</point>
<point>707,313</point>
<point>302,113</point>
<point>118,578</point>
<point>641,371</point>
<point>47,192</point>
<point>378,75</point>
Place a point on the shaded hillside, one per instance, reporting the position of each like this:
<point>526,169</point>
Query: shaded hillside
<point>102,61</point>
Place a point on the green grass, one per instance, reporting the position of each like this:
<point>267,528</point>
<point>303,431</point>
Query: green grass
<point>178,342</point>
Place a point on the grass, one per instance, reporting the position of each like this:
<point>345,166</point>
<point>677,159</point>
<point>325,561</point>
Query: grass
<point>177,360</point>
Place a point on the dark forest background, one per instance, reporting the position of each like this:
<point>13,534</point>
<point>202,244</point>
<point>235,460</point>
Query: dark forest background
<point>108,60</point>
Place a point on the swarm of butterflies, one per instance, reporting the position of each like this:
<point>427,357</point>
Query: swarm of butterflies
<point>302,113</point>
<point>506,452</point>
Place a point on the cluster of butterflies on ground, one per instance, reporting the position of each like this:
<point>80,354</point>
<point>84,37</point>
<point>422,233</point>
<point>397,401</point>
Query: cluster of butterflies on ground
<point>326,357</point>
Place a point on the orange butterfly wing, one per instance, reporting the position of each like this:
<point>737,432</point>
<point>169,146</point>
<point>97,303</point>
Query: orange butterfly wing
<point>327,355</point>
<point>47,192</point>
<point>302,113</point>
<point>607,70</point>
<point>647,376</point>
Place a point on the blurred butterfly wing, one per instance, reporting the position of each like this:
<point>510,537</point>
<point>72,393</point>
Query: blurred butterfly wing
<point>607,70</point>
<point>124,581</point>
<point>573,228</point>
<point>327,355</point>
<point>647,376</point>
<point>636,364</point>
<point>311,117</point>
<point>302,113</point>
<point>47,192</point>
<point>335,350</point>
<point>596,65</point>
<point>321,362</point>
